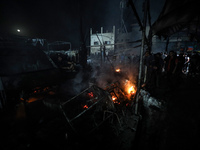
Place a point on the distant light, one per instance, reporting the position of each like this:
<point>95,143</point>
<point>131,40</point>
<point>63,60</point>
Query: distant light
<point>18,30</point>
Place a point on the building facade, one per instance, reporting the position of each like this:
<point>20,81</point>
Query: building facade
<point>99,41</point>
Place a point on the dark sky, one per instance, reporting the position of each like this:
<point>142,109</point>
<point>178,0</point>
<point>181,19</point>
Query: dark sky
<point>60,19</point>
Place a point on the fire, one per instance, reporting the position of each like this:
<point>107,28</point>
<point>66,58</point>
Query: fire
<point>131,90</point>
<point>91,95</point>
<point>85,106</point>
<point>129,87</point>
<point>114,98</point>
<point>117,70</point>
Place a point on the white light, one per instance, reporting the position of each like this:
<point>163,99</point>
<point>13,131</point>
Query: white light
<point>18,30</point>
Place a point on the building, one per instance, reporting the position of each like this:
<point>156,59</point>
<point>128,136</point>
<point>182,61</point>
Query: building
<point>99,40</point>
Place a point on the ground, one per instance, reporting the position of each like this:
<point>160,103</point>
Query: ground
<point>175,126</point>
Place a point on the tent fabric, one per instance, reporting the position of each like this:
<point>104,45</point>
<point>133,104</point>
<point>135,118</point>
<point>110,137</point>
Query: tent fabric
<point>175,16</point>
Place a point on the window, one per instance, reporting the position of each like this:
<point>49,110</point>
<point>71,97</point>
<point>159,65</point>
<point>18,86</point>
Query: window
<point>107,42</point>
<point>96,43</point>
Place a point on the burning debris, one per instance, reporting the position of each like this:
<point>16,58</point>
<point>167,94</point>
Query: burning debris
<point>117,70</point>
<point>104,109</point>
<point>121,93</point>
<point>97,112</point>
<point>88,110</point>
<point>37,93</point>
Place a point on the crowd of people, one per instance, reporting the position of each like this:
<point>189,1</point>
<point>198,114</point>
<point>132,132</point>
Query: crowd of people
<point>170,68</point>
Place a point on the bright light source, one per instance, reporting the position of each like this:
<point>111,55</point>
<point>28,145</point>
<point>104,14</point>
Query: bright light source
<point>18,30</point>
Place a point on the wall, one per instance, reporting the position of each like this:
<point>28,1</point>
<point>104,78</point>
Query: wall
<point>98,39</point>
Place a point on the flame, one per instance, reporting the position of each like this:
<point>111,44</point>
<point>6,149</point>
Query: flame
<point>129,87</point>
<point>114,98</point>
<point>117,70</point>
<point>131,90</point>
<point>85,106</point>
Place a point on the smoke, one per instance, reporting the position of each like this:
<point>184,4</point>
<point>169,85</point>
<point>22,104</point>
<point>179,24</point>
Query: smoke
<point>102,74</point>
<point>77,84</point>
<point>105,74</point>
<point>80,82</point>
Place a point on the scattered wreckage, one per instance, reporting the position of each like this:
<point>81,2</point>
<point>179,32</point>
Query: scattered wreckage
<point>96,109</point>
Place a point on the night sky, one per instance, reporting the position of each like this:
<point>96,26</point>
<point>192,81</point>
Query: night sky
<point>60,19</point>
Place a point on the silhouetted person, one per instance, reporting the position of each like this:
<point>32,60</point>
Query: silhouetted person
<point>194,64</point>
<point>171,66</point>
<point>159,64</point>
<point>149,62</point>
<point>181,62</point>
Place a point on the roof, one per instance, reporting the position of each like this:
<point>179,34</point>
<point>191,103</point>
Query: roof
<point>176,16</point>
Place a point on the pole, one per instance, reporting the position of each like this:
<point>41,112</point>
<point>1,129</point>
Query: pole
<point>141,55</point>
<point>167,43</point>
<point>101,47</point>
<point>138,18</point>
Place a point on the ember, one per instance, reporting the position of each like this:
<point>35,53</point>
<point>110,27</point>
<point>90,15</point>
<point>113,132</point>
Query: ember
<point>91,95</point>
<point>38,93</point>
<point>89,111</point>
<point>117,70</point>
<point>85,106</point>
<point>114,98</point>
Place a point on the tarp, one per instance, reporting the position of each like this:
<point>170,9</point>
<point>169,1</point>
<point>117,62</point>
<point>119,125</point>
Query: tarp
<point>175,16</point>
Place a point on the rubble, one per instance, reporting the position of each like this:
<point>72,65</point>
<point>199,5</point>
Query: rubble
<point>94,114</point>
<point>151,102</point>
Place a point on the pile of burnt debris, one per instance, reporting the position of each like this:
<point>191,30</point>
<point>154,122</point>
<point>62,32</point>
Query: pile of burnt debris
<point>103,117</point>
<point>99,118</point>
<point>96,118</point>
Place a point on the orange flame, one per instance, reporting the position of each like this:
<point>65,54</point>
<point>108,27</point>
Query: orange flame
<point>114,98</point>
<point>85,106</point>
<point>117,70</point>
<point>131,90</point>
